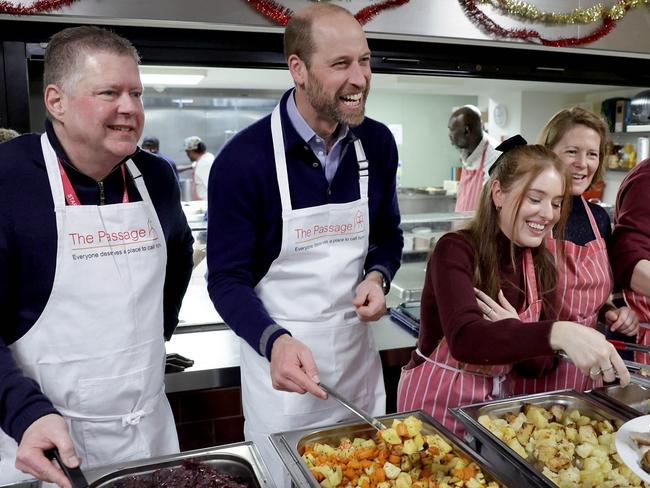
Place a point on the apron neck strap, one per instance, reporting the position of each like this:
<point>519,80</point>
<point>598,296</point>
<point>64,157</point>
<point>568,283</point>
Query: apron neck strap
<point>530,278</point>
<point>592,220</point>
<point>281,162</point>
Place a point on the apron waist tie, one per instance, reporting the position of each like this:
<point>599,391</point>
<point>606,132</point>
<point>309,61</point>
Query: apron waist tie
<point>127,419</point>
<point>497,381</point>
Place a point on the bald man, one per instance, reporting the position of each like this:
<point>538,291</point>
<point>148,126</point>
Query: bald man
<point>477,154</point>
<point>304,237</point>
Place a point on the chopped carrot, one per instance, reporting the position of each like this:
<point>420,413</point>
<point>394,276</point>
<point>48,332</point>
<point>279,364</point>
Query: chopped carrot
<point>402,430</point>
<point>318,475</point>
<point>366,453</point>
<point>379,475</point>
<point>394,459</point>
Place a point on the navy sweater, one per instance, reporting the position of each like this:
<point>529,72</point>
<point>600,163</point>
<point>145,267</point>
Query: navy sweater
<point>28,238</point>
<point>245,221</point>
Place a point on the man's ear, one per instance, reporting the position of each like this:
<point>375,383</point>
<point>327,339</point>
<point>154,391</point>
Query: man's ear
<point>298,69</point>
<point>55,101</point>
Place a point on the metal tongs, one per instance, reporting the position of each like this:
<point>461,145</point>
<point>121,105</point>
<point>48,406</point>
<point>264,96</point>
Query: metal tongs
<point>353,408</point>
<point>75,475</point>
<point>628,346</point>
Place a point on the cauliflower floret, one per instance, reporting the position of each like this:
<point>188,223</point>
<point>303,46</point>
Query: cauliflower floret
<point>392,471</point>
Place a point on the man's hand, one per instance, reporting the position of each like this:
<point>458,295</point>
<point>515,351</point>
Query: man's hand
<point>293,367</point>
<point>45,433</point>
<point>370,301</point>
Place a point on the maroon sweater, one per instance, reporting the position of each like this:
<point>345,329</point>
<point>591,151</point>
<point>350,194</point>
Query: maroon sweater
<point>631,236</point>
<point>449,308</point>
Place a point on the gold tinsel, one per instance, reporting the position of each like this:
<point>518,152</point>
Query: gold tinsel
<point>595,13</point>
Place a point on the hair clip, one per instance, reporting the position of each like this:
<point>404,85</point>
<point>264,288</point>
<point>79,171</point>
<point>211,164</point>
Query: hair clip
<point>506,146</point>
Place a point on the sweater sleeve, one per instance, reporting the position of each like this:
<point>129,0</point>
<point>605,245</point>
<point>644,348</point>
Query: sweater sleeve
<point>386,240</point>
<point>234,234</point>
<point>21,399</point>
<point>471,338</point>
<point>179,262</point>
<point>631,236</point>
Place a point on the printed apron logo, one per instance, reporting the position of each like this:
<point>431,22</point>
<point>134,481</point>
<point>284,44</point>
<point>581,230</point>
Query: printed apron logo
<point>307,238</point>
<point>103,243</point>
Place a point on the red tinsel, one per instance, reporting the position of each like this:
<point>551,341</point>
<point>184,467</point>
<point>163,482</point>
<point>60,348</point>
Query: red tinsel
<point>281,15</point>
<point>34,8</point>
<point>367,13</point>
<point>273,10</point>
<point>488,25</point>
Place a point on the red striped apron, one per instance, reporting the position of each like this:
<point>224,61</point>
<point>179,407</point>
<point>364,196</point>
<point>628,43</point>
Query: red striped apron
<point>584,284</point>
<point>641,305</point>
<point>441,382</point>
<point>470,186</point>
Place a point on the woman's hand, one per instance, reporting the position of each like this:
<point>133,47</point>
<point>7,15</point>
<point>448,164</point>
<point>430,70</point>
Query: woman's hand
<point>492,310</point>
<point>589,351</point>
<point>623,320</point>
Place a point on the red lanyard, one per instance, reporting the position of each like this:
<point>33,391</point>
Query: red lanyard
<point>71,196</point>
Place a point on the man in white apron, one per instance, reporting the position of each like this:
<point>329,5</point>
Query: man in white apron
<point>477,155</point>
<point>86,374</point>
<point>302,207</point>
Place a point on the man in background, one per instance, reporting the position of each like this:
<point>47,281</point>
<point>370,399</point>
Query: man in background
<point>152,144</point>
<point>202,160</point>
<point>477,154</point>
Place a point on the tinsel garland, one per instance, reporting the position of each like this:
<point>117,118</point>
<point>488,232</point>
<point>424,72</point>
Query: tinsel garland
<point>17,8</point>
<point>281,14</point>
<point>491,27</point>
<point>589,15</point>
<point>272,10</point>
<point>366,14</point>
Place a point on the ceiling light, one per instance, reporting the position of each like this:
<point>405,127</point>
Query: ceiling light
<point>170,79</point>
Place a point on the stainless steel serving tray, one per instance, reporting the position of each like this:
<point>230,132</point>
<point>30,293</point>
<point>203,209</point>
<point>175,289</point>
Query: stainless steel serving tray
<point>290,445</point>
<point>490,447</point>
<point>633,398</point>
<point>241,459</point>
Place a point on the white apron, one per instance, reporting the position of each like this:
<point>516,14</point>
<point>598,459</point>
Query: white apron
<point>309,290</point>
<point>97,350</point>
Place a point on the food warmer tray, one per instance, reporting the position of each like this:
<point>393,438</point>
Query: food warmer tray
<point>493,449</point>
<point>633,398</point>
<point>241,459</point>
<point>290,444</point>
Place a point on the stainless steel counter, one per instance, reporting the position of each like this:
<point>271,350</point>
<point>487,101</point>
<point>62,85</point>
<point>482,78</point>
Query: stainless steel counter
<point>215,351</point>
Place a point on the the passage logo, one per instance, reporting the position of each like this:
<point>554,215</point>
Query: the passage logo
<point>331,231</point>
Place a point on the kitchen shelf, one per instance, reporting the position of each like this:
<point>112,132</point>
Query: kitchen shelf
<point>632,129</point>
<point>619,170</point>
<point>638,128</point>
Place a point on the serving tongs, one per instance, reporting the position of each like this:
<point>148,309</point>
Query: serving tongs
<point>75,475</point>
<point>353,408</point>
<point>628,346</point>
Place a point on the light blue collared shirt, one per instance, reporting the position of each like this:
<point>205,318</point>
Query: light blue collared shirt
<point>330,161</point>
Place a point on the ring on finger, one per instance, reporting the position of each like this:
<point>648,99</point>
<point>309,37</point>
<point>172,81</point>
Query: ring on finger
<point>607,369</point>
<point>489,311</point>
<point>595,372</point>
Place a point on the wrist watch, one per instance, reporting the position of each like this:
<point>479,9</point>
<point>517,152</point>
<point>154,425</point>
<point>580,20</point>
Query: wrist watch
<point>385,285</point>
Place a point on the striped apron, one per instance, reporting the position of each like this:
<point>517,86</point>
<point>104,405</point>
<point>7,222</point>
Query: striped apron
<point>441,382</point>
<point>470,186</point>
<point>584,284</point>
